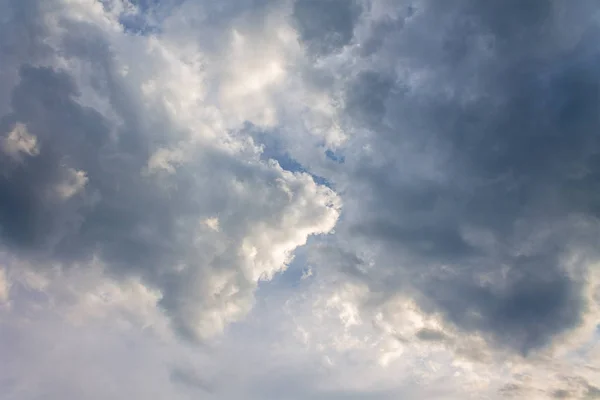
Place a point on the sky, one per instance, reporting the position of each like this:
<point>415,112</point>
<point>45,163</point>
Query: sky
<point>299,199</point>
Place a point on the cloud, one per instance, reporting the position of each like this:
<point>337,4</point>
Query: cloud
<point>88,185</point>
<point>299,199</point>
<point>326,26</point>
<point>90,318</point>
<point>19,143</point>
<point>477,183</point>
<point>4,287</point>
<point>190,379</point>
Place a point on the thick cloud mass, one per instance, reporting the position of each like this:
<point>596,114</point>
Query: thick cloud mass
<point>326,26</point>
<point>290,199</point>
<point>203,230</point>
<point>483,163</point>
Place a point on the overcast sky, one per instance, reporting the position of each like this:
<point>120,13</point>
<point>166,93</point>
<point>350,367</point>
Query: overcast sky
<point>299,199</point>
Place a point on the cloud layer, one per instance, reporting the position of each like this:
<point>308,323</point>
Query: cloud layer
<point>479,179</point>
<point>292,199</point>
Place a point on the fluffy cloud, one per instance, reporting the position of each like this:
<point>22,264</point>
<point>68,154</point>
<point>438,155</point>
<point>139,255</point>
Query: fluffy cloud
<point>128,185</point>
<point>309,198</point>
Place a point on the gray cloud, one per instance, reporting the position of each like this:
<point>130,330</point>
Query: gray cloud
<point>511,390</point>
<point>325,26</point>
<point>572,387</point>
<point>190,379</point>
<point>482,168</point>
<point>87,190</point>
<point>431,335</point>
<point>467,161</point>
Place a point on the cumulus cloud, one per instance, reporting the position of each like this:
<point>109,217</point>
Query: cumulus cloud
<point>309,198</point>
<point>19,142</point>
<point>88,183</point>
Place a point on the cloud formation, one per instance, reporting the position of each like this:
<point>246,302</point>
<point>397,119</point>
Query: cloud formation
<point>299,199</point>
<point>135,191</point>
<point>478,183</point>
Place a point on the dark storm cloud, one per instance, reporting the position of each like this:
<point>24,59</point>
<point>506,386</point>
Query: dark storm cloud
<point>29,217</point>
<point>380,30</point>
<point>325,26</point>
<point>115,205</point>
<point>485,162</point>
<point>523,315</point>
<point>21,36</point>
<point>70,138</point>
<point>366,96</point>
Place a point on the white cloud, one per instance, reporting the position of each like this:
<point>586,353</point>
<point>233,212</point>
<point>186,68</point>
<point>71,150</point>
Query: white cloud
<point>19,143</point>
<point>4,287</point>
<point>206,279</point>
<point>74,182</point>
